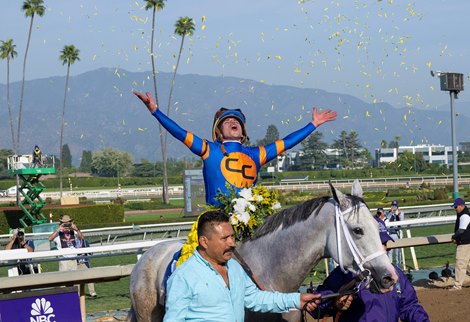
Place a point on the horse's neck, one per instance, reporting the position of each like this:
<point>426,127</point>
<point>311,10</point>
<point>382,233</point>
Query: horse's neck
<point>282,259</point>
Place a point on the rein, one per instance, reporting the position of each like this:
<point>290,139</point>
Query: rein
<point>359,258</point>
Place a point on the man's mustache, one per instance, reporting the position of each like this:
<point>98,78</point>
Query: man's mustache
<point>230,249</point>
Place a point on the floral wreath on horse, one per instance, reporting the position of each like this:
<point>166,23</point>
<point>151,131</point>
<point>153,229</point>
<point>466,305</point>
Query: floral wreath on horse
<point>247,209</point>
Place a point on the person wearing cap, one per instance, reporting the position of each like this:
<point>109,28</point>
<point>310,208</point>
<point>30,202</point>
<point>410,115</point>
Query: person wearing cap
<point>461,238</point>
<point>368,304</point>
<point>18,241</point>
<point>226,159</point>
<point>393,215</point>
<point>67,235</point>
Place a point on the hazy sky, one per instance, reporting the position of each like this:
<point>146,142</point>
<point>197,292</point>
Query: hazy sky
<point>375,50</point>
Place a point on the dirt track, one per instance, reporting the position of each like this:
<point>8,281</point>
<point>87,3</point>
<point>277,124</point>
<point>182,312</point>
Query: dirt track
<point>443,304</point>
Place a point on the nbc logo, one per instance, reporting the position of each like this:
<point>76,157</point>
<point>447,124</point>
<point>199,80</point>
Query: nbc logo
<point>42,311</point>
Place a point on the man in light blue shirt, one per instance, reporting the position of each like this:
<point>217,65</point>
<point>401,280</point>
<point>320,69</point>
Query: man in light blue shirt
<point>212,287</point>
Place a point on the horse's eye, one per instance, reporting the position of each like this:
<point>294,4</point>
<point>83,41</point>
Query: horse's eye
<point>358,231</point>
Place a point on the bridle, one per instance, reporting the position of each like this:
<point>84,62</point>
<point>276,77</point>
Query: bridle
<point>359,258</point>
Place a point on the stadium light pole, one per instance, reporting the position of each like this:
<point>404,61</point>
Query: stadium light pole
<point>453,83</point>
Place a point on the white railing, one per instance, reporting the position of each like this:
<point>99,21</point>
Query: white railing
<point>9,255</point>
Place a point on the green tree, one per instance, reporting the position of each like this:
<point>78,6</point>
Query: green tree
<point>85,162</point>
<point>383,144</point>
<point>314,156</point>
<point>341,144</point>
<point>7,51</point>
<point>349,147</point>
<point>157,5</point>
<point>395,143</point>
<point>111,162</point>
<point>68,56</point>
<point>354,146</point>
<point>31,8</point>
<point>4,154</point>
<point>66,156</point>
<point>272,134</point>
<point>144,169</point>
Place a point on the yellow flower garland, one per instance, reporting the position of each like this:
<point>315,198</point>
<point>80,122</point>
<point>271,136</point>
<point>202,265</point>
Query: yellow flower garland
<point>260,203</point>
<point>190,245</point>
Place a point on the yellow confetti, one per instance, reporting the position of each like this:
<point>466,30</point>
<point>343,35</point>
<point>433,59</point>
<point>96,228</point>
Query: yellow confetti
<point>404,117</point>
<point>278,57</point>
<point>81,136</point>
<point>367,113</point>
<point>296,70</point>
<point>141,129</point>
<point>203,27</point>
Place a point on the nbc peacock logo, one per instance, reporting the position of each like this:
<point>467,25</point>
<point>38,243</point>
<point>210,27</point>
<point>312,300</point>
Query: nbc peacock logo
<point>42,311</point>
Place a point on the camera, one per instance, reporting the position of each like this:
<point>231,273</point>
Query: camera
<point>68,225</point>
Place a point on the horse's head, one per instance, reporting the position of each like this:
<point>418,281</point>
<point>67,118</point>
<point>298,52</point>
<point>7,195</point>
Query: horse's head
<point>358,239</point>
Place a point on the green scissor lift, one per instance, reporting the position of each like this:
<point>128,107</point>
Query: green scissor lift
<point>30,188</point>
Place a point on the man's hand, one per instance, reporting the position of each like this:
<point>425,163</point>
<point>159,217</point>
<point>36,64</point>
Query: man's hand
<point>322,117</point>
<point>147,99</point>
<point>344,302</point>
<point>309,301</point>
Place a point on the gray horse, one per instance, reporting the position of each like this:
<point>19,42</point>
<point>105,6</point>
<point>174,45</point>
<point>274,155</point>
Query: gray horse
<point>282,252</point>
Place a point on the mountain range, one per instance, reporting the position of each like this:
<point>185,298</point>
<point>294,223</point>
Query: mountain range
<point>102,112</point>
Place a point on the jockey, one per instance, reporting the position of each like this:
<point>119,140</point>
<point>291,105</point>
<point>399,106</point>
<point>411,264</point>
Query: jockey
<point>226,159</point>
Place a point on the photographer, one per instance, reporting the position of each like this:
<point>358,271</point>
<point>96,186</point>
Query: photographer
<point>17,241</point>
<point>67,236</point>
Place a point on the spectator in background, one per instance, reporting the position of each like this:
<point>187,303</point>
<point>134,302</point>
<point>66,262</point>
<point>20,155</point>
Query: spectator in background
<point>18,241</point>
<point>461,238</point>
<point>394,215</point>
<point>84,263</point>
<point>380,215</point>
<point>67,236</point>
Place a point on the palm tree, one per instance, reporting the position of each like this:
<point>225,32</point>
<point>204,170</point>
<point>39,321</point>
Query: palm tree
<point>7,51</point>
<point>30,8</point>
<point>68,56</point>
<point>183,27</point>
<point>157,5</point>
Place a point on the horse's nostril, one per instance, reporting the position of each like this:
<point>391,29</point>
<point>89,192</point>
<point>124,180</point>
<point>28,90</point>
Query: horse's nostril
<point>387,281</point>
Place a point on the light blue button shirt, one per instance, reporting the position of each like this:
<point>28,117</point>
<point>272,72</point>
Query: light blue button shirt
<point>197,292</point>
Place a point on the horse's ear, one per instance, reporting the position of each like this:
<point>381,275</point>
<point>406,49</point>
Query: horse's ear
<point>338,196</point>
<point>356,189</point>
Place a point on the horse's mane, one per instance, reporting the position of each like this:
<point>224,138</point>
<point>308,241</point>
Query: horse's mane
<point>289,216</point>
